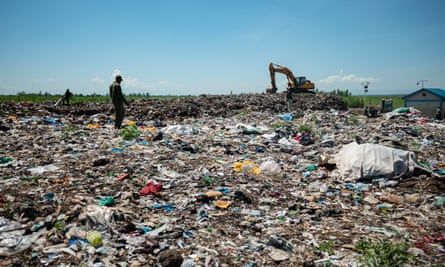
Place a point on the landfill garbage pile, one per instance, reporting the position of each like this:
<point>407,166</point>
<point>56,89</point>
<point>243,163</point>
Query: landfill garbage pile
<point>181,107</point>
<point>219,181</point>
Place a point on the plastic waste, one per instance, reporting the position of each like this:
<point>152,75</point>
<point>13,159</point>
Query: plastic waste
<point>42,169</point>
<point>151,188</point>
<point>4,160</point>
<point>392,198</point>
<point>246,166</point>
<point>226,204</point>
<point>270,167</point>
<point>106,201</point>
<point>165,207</point>
<point>439,202</point>
<point>14,242</point>
<point>94,238</point>
<point>180,130</point>
<point>223,204</point>
<point>315,187</point>
<point>250,129</point>
<point>286,117</point>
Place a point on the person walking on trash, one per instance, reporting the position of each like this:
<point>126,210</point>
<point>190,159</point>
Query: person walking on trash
<point>118,101</point>
<point>66,97</point>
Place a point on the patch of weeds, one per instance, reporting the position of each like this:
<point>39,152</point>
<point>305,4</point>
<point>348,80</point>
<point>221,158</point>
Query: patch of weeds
<point>276,125</point>
<point>353,119</point>
<point>31,178</point>
<point>130,132</point>
<point>305,128</point>
<point>68,130</point>
<point>314,118</point>
<point>326,247</point>
<point>244,112</point>
<point>383,253</point>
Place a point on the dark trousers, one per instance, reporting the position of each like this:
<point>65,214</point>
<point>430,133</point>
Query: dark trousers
<point>119,112</point>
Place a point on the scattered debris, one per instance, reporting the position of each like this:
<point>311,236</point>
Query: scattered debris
<point>217,181</point>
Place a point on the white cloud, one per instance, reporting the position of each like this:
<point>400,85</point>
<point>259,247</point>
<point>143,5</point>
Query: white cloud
<point>340,78</point>
<point>98,80</point>
<point>131,82</point>
<point>51,80</point>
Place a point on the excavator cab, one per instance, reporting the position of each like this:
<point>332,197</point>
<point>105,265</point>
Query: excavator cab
<point>295,84</point>
<point>304,84</point>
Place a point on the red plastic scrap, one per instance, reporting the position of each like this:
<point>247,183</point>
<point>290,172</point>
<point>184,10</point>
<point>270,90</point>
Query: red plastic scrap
<point>422,244</point>
<point>3,200</point>
<point>122,176</point>
<point>434,239</point>
<point>151,188</point>
<point>424,247</point>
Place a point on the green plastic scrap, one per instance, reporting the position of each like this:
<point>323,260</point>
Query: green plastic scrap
<point>106,201</point>
<point>5,160</point>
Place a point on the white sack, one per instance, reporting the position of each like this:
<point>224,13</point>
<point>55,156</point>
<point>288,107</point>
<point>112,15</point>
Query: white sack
<point>355,161</point>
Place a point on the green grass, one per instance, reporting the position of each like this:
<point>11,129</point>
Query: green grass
<point>327,247</point>
<point>244,112</point>
<point>383,253</point>
<point>305,128</point>
<point>372,101</point>
<point>41,98</point>
<point>38,98</point>
<point>353,119</point>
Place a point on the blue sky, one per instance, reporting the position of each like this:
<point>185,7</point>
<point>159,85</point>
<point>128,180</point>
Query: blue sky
<point>207,46</point>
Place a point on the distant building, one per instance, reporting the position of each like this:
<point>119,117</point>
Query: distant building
<point>427,100</point>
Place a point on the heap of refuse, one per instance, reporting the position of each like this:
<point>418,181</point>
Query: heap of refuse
<point>230,180</point>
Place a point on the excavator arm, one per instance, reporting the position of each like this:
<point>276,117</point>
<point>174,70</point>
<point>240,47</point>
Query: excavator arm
<point>292,82</point>
<point>299,85</point>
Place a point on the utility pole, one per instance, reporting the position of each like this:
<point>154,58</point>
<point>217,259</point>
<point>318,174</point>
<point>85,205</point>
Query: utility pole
<point>421,82</point>
<point>365,89</point>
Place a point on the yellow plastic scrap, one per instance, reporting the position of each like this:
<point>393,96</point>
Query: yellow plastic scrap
<point>132,123</point>
<point>246,166</point>
<point>93,125</point>
<point>238,166</point>
<point>214,194</point>
<point>222,204</point>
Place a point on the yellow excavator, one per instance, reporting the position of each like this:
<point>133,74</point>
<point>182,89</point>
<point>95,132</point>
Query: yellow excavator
<point>294,85</point>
